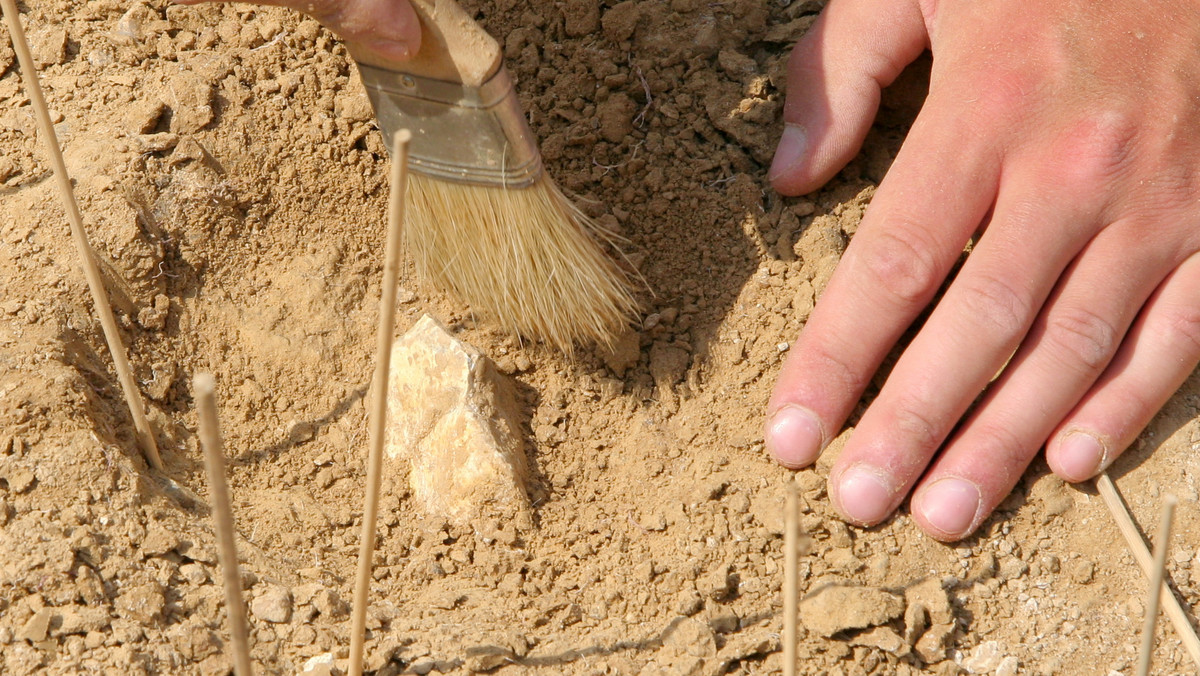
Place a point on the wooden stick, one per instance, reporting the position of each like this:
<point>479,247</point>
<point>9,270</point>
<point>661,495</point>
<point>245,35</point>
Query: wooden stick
<point>1175,613</point>
<point>791,575</point>
<point>204,387</point>
<point>379,389</point>
<point>95,282</point>
<point>1161,546</point>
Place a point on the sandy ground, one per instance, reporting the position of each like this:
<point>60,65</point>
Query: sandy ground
<point>233,182</point>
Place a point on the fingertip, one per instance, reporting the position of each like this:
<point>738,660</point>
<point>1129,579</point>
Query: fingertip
<point>410,29</point>
<point>388,29</point>
<point>949,508</point>
<point>794,436</point>
<point>791,156</point>
<point>862,494</point>
<point>392,32</point>
<point>391,49</point>
<point>1077,455</point>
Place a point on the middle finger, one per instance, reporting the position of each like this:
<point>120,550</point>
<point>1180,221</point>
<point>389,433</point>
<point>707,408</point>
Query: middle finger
<point>976,327</point>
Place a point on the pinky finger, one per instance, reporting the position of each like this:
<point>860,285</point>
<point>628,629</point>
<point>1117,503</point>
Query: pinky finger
<point>1159,353</point>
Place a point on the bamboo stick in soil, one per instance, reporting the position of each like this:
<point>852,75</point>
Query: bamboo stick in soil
<point>1161,546</point>
<point>791,562</point>
<point>1175,612</point>
<point>108,323</point>
<point>383,359</point>
<point>204,389</point>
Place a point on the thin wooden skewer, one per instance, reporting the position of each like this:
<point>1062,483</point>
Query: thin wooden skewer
<point>95,282</point>
<point>204,388</point>
<point>791,563</point>
<point>1175,613</point>
<point>1161,546</point>
<point>379,388</point>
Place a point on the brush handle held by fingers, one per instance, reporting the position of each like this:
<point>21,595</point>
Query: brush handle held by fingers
<point>453,47</point>
<point>457,99</point>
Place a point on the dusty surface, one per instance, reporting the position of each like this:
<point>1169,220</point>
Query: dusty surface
<point>232,178</point>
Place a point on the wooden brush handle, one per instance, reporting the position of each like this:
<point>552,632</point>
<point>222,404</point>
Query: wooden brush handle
<point>453,47</point>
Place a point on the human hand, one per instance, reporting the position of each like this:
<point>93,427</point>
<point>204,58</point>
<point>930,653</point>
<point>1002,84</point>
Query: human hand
<point>388,28</point>
<point>1068,133</point>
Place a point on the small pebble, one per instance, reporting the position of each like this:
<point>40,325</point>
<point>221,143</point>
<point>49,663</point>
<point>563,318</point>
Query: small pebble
<point>194,573</point>
<point>688,602</point>
<point>1009,666</point>
<point>321,665</point>
<point>985,658</point>
<point>273,605</point>
<point>21,480</point>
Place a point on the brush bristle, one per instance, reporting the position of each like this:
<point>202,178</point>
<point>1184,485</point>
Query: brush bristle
<point>527,257</point>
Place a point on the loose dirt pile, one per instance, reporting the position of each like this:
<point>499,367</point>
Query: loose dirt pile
<point>233,182</point>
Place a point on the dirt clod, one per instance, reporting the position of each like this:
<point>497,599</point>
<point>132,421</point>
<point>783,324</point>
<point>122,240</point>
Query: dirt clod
<point>273,604</point>
<point>837,608</point>
<point>142,604</point>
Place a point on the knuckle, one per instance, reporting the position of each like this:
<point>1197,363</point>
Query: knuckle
<point>1096,150</point>
<point>913,421</point>
<point>841,375</point>
<point>1183,325</point>
<point>996,303</point>
<point>899,264</point>
<point>1082,337</point>
<point>1144,402</point>
<point>1008,452</point>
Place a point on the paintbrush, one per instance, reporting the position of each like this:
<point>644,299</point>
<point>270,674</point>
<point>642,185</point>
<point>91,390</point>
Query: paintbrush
<point>484,220</point>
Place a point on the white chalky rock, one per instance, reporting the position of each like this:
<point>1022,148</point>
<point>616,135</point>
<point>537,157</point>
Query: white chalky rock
<point>985,658</point>
<point>321,665</point>
<point>454,419</point>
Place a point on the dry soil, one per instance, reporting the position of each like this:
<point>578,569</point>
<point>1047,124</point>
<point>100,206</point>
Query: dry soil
<point>234,183</point>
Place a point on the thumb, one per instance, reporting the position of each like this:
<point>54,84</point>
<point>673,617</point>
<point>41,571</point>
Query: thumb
<point>388,28</point>
<point>835,74</point>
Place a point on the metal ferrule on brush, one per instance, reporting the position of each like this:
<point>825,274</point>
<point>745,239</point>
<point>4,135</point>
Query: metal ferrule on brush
<point>460,133</point>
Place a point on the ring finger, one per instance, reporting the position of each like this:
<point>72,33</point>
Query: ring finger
<point>1068,347</point>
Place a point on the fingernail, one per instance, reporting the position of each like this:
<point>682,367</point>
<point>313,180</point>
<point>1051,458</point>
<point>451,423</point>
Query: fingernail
<point>863,495</point>
<point>391,49</point>
<point>793,435</point>
<point>950,505</point>
<point>1079,456</point>
<point>791,150</point>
